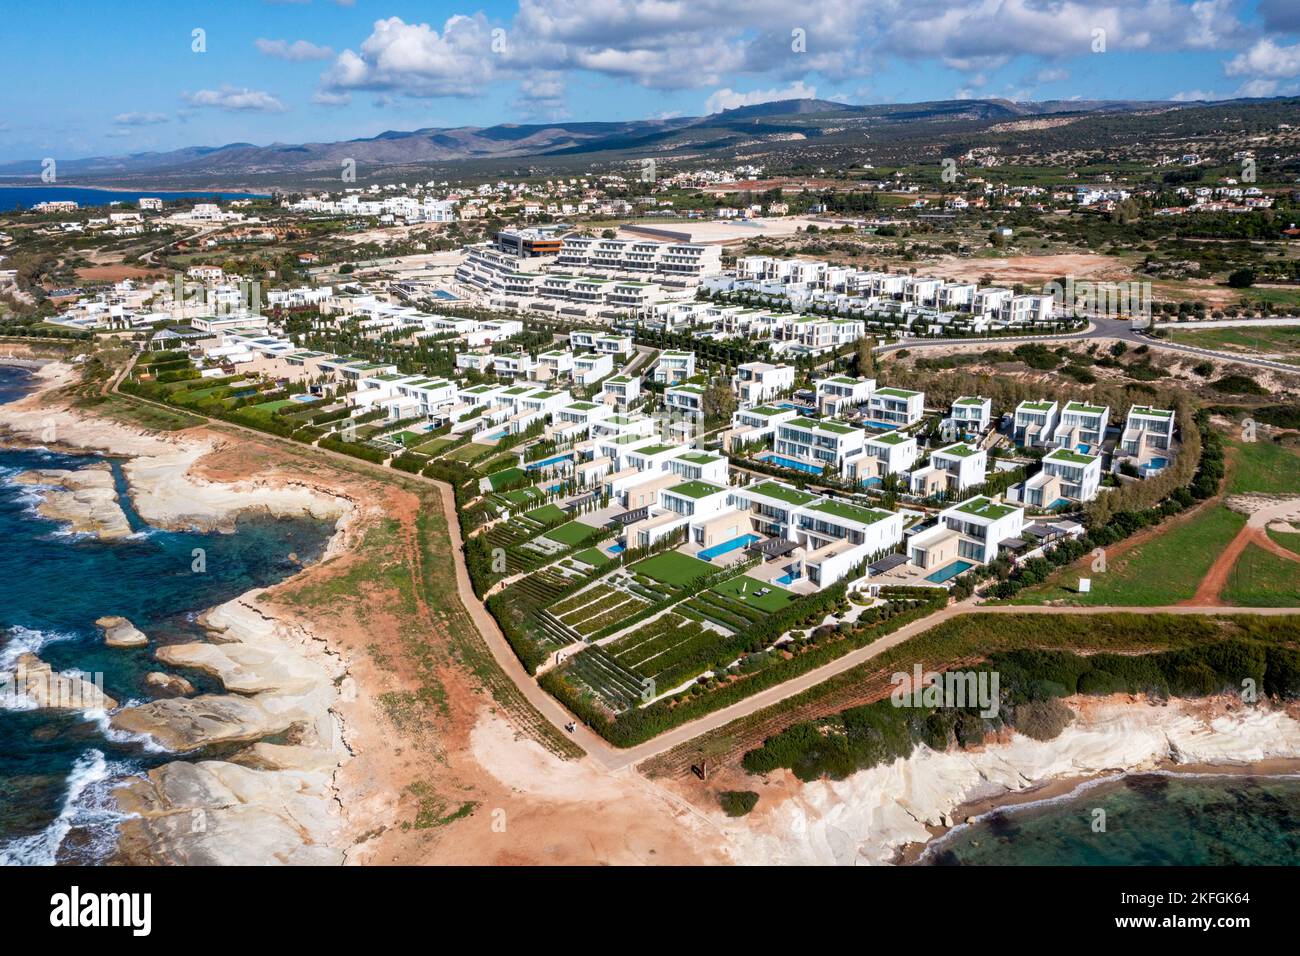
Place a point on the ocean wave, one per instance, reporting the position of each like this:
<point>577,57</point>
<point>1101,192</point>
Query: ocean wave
<point>103,722</point>
<point>24,640</point>
<point>88,806</point>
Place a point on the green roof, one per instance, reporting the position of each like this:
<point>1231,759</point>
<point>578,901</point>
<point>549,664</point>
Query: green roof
<point>822,424</point>
<point>695,489</point>
<point>959,450</point>
<point>699,457</point>
<point>583,406</point>
<point>655,449</point>
<point>791,496</point>
<point>1087,409</point>
<point>966,400</point>
<point>983,507</point>
<point>841,509</point>
<point>889,438</point>
<point>1069,457</point>
<point>1037,406</point>
<point>766,411</point>
<point>896,392</point>
<point>1153,412</point>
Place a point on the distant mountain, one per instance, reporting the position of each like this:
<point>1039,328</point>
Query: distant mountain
<point>810,131</point>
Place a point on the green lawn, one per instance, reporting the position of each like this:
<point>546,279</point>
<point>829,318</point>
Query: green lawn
<point>744,588</point>
<point>570,534</point>
<point>1264,467</point>
<point>276,405</point>
<point>406,438</point>
<point>466,452</point>
<point>520,496</point>
<point>594,557</point>
<point>673,568</point>
<point>434,446</point>
<point>1261,579</point>
<point>506,477</point>
<point>1287,539</point>
<point>1164,570</point>
<point>546,514</point>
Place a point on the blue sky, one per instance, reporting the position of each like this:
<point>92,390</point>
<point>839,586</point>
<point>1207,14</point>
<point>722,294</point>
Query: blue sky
<point>85,79</point>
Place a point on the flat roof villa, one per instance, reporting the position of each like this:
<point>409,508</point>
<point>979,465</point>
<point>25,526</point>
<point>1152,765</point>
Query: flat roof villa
<point>971,531</point>
<point>1035,423</point>
<point>896,407</point>
<point>818,440</point>
<point>1147,438</point>
<point>1082,427</point>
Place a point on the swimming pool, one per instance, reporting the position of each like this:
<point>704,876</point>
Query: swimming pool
<point>444,294</point>
<point>786,579</point>
<point>546,462</point>
<point>951,571</point>
<point>793,464</point>
<point>744,541</point>
<point>497,436</point>
<point>1059,503</point>
<point>303,398</point>
<point>617,548</point>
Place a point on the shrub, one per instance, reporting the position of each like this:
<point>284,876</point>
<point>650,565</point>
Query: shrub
<point>737,803</point>
<point>1043,719</point>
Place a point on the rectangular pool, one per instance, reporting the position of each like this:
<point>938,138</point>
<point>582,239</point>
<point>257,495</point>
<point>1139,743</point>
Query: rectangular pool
<point>546,462</point>
<point>951,571</point>
<point>786,579</point>
<point>793,464</point>
<point>744,541</point>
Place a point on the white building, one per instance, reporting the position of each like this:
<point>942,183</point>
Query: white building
<point>756,382</point>
<point>898,407</point>
<point>1035,423</point>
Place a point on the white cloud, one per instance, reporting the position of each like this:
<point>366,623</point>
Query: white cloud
<point>1266,58</point>
<point>1193,96</point>
<point>1051,76</point>
<point>140,119</point>
<point>326,98</point>
<point>729,99</point>
<point>297,51</point>
<point>1257,87</point>
<point>541,95</point>
<point>415,59</point>
<point>236,100</point>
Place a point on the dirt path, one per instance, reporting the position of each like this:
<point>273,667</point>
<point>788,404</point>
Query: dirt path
<point>1255,532</point>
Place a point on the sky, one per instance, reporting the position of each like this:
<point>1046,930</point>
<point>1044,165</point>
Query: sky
<point>97,79</point>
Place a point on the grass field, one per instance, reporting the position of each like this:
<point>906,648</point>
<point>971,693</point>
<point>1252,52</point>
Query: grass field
<point>1287,539</point>
<point>1261,579</point>
<point>546,514</point>
<point>673,568</point>
<point>570,534</point>
<point>1283,341</point>
<point>1163,570</point>
<point>1264,467</point>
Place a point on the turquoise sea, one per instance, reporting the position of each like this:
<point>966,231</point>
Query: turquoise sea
<point>56,770</point>
<point>1151,819</point>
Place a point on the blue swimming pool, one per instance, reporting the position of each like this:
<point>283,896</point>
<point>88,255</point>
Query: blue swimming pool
<point>951,571</point>
<point>444,294</point>
<point>786,579</point>
<point>793,464</point>
<point>617,548</point>
<point>744,541</point>
<point>1083,449</point>
<point>497,436</point>
<point>1059,503</point>
<point>545,462</point>
<point>303,398</point>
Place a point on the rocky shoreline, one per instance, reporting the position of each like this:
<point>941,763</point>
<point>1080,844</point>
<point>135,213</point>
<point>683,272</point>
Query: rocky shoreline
<point>84,499</point>
<point>272,800</point>
<point>888,814</point>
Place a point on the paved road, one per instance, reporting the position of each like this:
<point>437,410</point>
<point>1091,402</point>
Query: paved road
<point>613,758</point>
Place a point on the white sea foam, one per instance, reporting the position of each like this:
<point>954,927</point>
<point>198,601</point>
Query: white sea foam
<point>88,805</point>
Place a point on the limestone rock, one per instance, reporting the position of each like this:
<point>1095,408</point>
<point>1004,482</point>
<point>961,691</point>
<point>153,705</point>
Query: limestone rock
<point>85,499</point>
<point>186,723</point>
<point>119,632</point>
<point>168,685</point>
<point>36,680</point>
